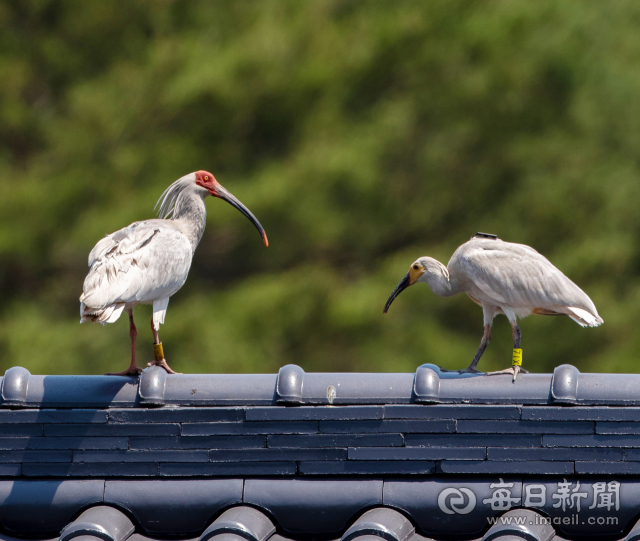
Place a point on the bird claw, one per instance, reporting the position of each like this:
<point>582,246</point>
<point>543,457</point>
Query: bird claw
<point>163,364</point>
<point>133,370</point>
<point>514,370</point>
<point>468,370</point>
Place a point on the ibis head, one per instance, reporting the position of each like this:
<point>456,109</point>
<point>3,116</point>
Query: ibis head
<point>416,271</point>
<point>206,180</point>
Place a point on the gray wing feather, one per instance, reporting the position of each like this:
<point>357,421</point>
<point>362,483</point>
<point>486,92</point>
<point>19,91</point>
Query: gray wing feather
<point>143,262</point>
<point>516,275</point>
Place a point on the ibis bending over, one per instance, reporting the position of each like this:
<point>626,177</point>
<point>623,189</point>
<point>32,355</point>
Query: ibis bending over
<point>148,261</point>
<point>503,278</point>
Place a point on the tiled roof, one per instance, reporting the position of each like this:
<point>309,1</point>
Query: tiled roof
<point>319,456</point>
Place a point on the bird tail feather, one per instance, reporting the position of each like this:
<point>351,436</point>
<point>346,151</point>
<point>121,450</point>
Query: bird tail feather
<point>110,314</point>
<point>584,318</point>
<point>159,311</point>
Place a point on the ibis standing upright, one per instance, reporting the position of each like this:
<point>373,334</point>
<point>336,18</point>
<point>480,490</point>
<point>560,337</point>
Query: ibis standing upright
<point>148,261</point>
<point>503,278</point>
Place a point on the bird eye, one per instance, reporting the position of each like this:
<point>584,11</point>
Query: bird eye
<point>415,267</point>
<point>206,177</point>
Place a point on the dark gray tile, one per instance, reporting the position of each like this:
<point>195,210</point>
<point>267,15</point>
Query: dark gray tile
<point>88,469</point>
<point>61,430</point>
<point>472,440</point>
<point>362,467</point>
<point>525,427</point>
<point>10,470</point>
<point>301,505</point>
<point>314,413</point>
<point>53,416</point>
<point>336,440</point>
<point>625,427</point>
<point>35,456</point>
<point>384,522</point>
<point>593,440</point>
<point>221,469</point>
<point>41,508</point>
<point>420,499</point>
<point>608,468</point>
<point>438,411</point>
<point>253,427</point>
<point>101,519</point>
<point>277,454</point>
<point>382,426</point>
<point>632,454</point>
<point>506,468</point>
<point>416,453</point>
<point>590,413</point>
<point>17,430</point>
<point>554,453</point>
<point>195,442</point>
<point>142,456</point>
<point>63,443</point>
<point>176,415</point>
<point>234,522</point>
<point>165,506</point>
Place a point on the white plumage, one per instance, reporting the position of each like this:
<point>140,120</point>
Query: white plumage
<point>147,262</point>
<point>124,271</point>
<point>503,278</point>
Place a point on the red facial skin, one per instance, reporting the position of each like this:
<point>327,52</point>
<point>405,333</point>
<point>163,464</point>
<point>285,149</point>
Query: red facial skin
<point>207,181</point>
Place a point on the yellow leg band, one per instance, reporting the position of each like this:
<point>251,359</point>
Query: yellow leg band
<point>517,357</point>
<point>159,354</point>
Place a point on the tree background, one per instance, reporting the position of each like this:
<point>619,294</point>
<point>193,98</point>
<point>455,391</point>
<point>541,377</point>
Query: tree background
<point>362,134</point>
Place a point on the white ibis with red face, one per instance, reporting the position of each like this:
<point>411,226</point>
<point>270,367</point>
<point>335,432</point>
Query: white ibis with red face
<point>503,278</point>
<point>148,261</point>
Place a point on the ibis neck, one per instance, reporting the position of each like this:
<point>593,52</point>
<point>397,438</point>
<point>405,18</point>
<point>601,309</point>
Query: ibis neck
<point>439,279</point>
<point>190,215</point>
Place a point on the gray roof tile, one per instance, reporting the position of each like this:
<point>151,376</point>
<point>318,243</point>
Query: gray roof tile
<point>325,507</point>
<point>371,467</point>
<point>54,502</point>
<point>380,522</point>
<point>245,522</point>
<point>277,454</point>
<point>196,442</point>
<point>99,522</point>
<point>530,467</point>
<point>335,440</point>
<point>417,453</point>
<point>165,506</point>
<point>220,469</point>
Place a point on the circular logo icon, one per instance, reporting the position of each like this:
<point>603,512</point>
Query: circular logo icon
<point>452,501</point>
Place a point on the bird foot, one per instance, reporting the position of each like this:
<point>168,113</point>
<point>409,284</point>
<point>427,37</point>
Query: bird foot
<point>468,370</point>
<point>133,370</point>
<point>163,364</point>
<point>514,370</point>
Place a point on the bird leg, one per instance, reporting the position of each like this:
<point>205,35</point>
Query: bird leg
<point>159,354</point>
<point>516,368</point>
<point>486,340</point>
<point>134,369</point>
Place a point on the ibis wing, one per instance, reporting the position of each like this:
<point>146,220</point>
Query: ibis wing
<point>517,276</point>
<point>140,263</point>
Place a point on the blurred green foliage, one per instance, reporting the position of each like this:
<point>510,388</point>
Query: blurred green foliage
<point>361,134</point>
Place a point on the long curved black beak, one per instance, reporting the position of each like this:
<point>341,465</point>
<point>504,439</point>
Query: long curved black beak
<point>404,284</point>
<point>225,194</point>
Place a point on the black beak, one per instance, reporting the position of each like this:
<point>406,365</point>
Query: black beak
<point>223,193</point>
<point>404,284</point>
